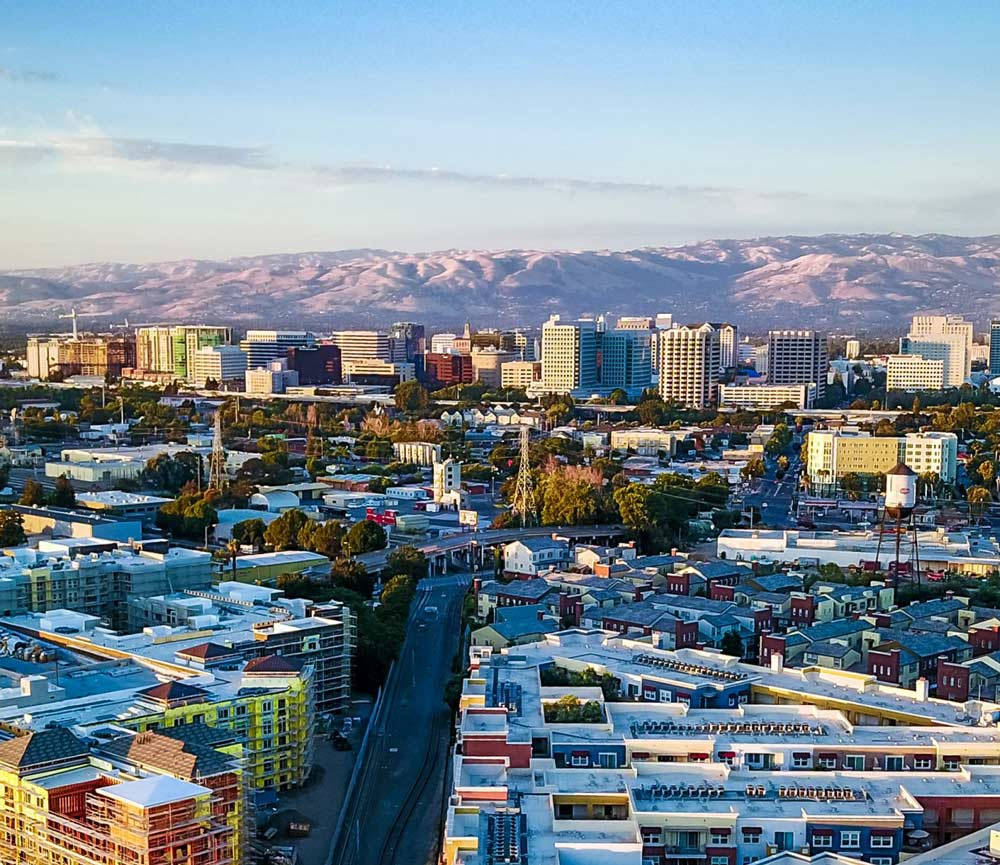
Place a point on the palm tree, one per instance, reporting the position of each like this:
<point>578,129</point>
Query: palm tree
<point>233,549</point>
<point>979,498</point>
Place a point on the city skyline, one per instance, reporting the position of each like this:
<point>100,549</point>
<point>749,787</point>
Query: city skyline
<point>214,132</point>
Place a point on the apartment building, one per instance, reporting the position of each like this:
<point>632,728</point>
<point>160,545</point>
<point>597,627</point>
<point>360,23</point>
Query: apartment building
<point>797,357</point>
<point>994,365</point>
<point>569,357</point>
<point>728,344</point>
<point>852,349</point>
<point>947,338</point>
<point>689,359</point>
<point>164,350</point>
<point>766,396</point>
<point>276,377</point>
<point>831,454</point>
<point>520,374</point>
<point>58,357</point>
<point>417,453</point>
<point>914,372</point>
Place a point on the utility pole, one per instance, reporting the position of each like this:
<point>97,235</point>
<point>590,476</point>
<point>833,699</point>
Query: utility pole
<point>523,503</point>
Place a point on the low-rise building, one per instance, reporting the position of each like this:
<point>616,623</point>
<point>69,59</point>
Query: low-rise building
<point>913,372</point>
<point>766,396</point>
<point>529,557</point>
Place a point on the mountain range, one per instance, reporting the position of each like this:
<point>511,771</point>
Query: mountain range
<point>842,282</point>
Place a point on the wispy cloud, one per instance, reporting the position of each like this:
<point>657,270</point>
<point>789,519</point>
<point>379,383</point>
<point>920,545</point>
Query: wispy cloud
<point>27,76</point>
<point>89,150</point>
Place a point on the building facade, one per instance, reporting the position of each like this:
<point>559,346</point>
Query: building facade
<point>797,357</point>
<point>569,357</point>
<point>914,372</point>
<point>942,337</point>
<point>689,365</point>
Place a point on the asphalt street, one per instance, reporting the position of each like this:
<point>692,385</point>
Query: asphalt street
<point>774,498</point>
<point>394,817</point>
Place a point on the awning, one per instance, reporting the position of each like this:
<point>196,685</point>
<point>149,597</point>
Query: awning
<point>882,833</point>
<point>727,755</point>
<point>579,753</point>
<point>822,832</point>
<point>720,831</point>
<point>827,756</point>
<point>699,756</point>
<point>752,830</point>
<point>954,758</point>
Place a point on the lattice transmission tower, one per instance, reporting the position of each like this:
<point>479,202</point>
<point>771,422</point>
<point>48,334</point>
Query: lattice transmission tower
<point>217,461</point>
<point>523,503</point>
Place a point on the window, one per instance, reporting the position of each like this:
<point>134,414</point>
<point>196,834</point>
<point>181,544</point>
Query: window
<point>720,860</point>
<point>784,840</point>
<point>881,860</point>
<point>652,836</point>
<point>856,762</point>
<point>882,841</point>
<point>951,764</point>
<point>850,840</point>
<point>579,760</point>
<point>719,839</point>
<point>800,761</point>
<point>751,836</point>
<point>665,696</point>
<point>893,764</point>
<point>821,840</point>
<point>922,763</point>
<point>827,762</point>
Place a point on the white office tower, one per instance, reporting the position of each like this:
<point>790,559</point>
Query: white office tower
<point>357,346</point>
<point>689,365</point>
<point>913,372</point>
<point>263,346</point>
<point>664,320</point>
<point>443,343</point>
<point>797,357</point>
<point>569,357</point>
<point>852,350</point>
<point>218,363</point>
<point>942,337</point>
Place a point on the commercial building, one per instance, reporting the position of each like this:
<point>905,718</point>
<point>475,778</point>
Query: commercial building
<point>154,349</point>
<point>647,441</point>
<point>316,365</point>
<point>569,357</point>
<point>443,343</point>
<point>135,506</point>
<point>359,346</point>
<point>189,339</point>
<point>690,756</point>
<point>263,346</point>
<point>831,454</point>
<point>218,363</point>
<point>797,357</point>
<point>852,349</point>
<point>689,365</point>
<point>942,337</point>
<point>447,481</point>
<point>377,372</point>
<point>994,366</point>
<point>914,372</point>
<point>447,369</point>
<point>164,350</point>
<point>625,361</point>
<point>766,396</point>
<point>276,377</point>
<point>728,344</point>
<point>520,374</point>
<point>487,364</point>
<point>107,465</point>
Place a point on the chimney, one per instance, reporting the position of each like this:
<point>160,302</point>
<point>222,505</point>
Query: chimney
<point>777,662</point>
<point>923,689</point>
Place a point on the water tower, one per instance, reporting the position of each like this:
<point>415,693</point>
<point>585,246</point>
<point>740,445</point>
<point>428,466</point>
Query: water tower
<point>897,518</point>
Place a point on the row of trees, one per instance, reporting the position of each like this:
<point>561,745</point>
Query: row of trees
<point>62,495</point>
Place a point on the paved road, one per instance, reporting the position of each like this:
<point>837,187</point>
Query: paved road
<point>394,816</point>
<point>376,560</point>
<point>773,497</point>
<point>19,476</point>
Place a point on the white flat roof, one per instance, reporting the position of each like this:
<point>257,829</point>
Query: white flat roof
<point>154,790</point>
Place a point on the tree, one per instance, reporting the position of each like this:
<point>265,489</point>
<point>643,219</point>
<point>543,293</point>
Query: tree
<point>365,536</point>
<point>979,499</point>
<point>753,469</point>
<point>171,473</point>
<point>850,483</point>
<point>408,561</point>
<point>63,496</point>
<point>642,509</point>
<point>411,396</point>
<point>283,533</point>
<point>732,644</point>
<point>327,538</point>
<point>618,397</point>
<point>4,474</point>
<point>987,471</point>
<point>33,494</point>
<point>652,412</point>
<point>783,463</point>
<point>351,575</point>
<point>250,533</point>
<point>11,529</point>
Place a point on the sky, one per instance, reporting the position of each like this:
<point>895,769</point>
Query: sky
<point>163,130</point>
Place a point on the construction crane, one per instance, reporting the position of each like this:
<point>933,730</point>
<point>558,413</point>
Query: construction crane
<point>74,315</point>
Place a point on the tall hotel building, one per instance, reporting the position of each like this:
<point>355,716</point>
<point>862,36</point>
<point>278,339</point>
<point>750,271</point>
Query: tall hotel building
<point>689,365</point>
<point>797,357</point>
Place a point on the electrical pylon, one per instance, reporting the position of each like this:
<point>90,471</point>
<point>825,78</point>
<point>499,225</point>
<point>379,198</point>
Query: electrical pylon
<point>217,461</point>
<point>523,503</point>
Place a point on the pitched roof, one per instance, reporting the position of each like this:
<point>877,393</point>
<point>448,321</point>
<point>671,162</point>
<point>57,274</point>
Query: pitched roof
<point>41,747</point>
<point>159,750</point>
<point>277,664</point>
<point>206,651</point>
<point>172,691</point>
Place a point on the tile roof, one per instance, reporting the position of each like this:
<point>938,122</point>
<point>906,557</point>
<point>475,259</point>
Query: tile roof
<point>273,664</point>
<point>169,692</point>
<point>157,750</point>
<point>40,748</point>
<point>206,651</point>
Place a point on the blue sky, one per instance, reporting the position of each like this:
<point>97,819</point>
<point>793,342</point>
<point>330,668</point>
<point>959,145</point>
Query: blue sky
<point>167,130</point>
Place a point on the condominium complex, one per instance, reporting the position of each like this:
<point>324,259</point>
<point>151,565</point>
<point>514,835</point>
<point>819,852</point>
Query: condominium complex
<point>569,357</point>
<point>914,372</point>
<point>168,350</point>
<point>947,338</point>
<point>689,365</point>
<point>852,349</point>
<point>691,756</point>
<point>728,342</point>
<point>797,357</point>
<point>767,396</point>
<point>831,454</point>
<point>57,357</point>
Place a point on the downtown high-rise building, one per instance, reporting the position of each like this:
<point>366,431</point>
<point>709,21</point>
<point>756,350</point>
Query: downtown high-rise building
<point>625,360</point>
<point>995,346</point>
<point>947,338</point>
<point>569,356</point>
<point>728,344</point>
<point>167,350</point>
<point>798,357</point>
<point>263,346</point>
<point>689,365</point>
<point>357,346</point>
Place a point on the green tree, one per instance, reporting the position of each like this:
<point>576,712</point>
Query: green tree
<point>352,575</point>
<point>283,533</point>
<point>850,484</point>
<point>979,499</point>
<point>365,536</point>
<point>411,396</point>
<point>618,397</point>
<point>63,495</point>
<point>754,468</point>
<point>327,538</point>
<point>732,644</point>
<point>987,471</point>
<point>32,494</point>
<point>408,561</point>
<point>11,529</point>
<point>250,533</point>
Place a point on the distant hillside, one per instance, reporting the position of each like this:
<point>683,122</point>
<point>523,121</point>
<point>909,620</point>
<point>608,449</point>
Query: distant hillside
<point>846,282</point>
